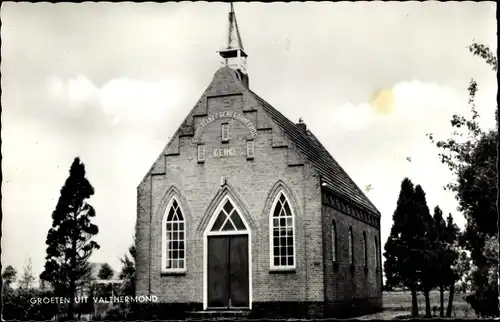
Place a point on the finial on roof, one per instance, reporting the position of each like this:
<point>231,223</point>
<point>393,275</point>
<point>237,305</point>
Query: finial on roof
<point>234,55</point>
<point>301,125</point>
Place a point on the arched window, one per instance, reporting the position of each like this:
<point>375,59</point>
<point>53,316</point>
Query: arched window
<point>174,238</point>
<point>334,241</point>
<point>351,251</point>
<point>228,219</point>
<point>377,258</point>
<point>282,234</point>
<point>365,249</point>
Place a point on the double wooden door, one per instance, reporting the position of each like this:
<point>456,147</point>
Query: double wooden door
<point>228,272</point>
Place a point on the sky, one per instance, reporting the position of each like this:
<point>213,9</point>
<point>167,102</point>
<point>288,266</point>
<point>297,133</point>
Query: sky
<point>111,82</point>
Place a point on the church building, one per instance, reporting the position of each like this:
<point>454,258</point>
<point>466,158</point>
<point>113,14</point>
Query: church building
<point>245,210</point>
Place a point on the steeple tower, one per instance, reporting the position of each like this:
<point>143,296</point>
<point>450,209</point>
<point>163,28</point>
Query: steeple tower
<point>233,55</point>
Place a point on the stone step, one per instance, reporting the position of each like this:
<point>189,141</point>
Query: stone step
<point>218,314</point>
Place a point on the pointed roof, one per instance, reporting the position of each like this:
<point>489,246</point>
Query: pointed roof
<point>234,38</point>
<point>332,174</point>
<point>234,42</point>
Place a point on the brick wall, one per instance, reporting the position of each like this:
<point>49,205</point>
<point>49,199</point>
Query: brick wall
<point>344,285</point>
<point>253,184</point>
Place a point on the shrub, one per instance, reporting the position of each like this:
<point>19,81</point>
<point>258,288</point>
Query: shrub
<point>17,305</point>
<point>117,313</point>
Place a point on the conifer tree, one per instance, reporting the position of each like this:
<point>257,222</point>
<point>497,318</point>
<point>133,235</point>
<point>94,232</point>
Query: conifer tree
<point>69,243</point>
<point>105,272</point>
<point>441,248</point>
<point>471,155</point>
<point>451,275</point>
<point>127,273</point>
<point>424,247</point>
<point>27,278</point>
<point>400,254</point>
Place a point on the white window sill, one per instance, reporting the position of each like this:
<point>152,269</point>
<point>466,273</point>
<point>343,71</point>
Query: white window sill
<point>282,270</point>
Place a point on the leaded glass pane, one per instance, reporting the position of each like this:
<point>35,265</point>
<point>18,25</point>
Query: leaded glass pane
<point>237,221</point>
<point>282,198</point>
<point>277,210</point>
<point>228,207</point>
<point>171,214</point>
<point>287,209</point>
<point>219,221</point>
<point>228,226</point>
<point>179,214</point>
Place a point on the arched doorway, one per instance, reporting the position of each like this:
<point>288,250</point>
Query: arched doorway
<point>227,259</point>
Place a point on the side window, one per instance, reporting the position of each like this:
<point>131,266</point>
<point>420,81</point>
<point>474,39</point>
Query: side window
<point>173,241</point>
<point>225,132</point>
<point>351,246</point>
<point>365,249</point>
<point>334,241</point>
<point>282,234</point>
<point>201,153</point>
<point>250,149</point>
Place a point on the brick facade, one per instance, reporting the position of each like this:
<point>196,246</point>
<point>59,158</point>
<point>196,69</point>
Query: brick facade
<point>278,165</point>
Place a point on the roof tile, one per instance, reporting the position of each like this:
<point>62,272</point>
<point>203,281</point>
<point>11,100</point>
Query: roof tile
<point>331,172</point>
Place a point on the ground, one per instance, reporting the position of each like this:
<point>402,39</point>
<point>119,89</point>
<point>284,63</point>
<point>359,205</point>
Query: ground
<point>398,305</point>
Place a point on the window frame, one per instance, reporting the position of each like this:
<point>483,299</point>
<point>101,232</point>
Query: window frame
<point>252,154</point>
<point>365,249</point>
<point>334,242</point>
<point>224,139</point>
<point>164,249</point>
<point>281,268</point>
<point>351,246</point>
<point>202,147</point>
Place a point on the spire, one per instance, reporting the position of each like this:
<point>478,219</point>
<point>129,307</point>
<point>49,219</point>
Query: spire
<point>234,38</point>
<point>233,55</point>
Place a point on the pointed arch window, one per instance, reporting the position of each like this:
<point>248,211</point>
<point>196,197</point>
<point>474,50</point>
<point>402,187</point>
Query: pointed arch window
<point>173,238</point>
<point>351,250</point>
<point>282,234</point>
<point>365,250</point>
<point>228,219</point>
<point>334,241</point>
<point>377,258</point>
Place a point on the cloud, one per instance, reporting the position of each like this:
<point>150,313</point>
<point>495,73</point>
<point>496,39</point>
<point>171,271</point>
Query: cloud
<point>80,91</point>
<point>352,117</point>
<point>373,139</point>
<point>132,100</point>
<point>407,101</point>
<point>120,99</point>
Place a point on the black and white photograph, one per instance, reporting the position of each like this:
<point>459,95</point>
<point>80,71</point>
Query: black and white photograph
<point>202,160</point>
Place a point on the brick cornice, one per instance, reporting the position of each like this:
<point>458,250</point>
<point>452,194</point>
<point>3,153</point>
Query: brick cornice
<point>349,209</point>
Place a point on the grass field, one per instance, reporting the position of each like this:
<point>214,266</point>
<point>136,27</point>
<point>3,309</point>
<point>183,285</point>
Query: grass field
<point>398,305</point>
